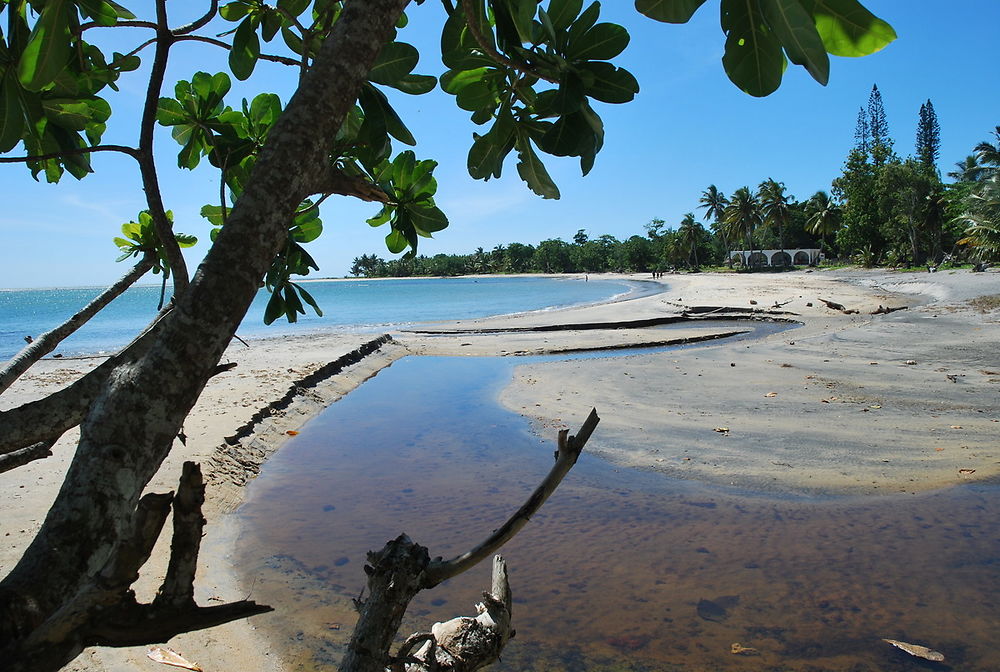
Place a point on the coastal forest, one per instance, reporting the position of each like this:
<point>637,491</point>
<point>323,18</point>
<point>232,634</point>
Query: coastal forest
<point>882,210</point>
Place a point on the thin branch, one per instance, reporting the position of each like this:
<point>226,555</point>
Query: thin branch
<point>566,456</point>
<point>131,151</point>
<point>284,60</point>
<point>118,24</point>
<point>490,51</point>
<point>48,341</point>
<point>19,458</point>
<point>145,624</point>
<point>147,166</point>
<point>50,417</point>
<point>330,180</point>
<point>200,22</point>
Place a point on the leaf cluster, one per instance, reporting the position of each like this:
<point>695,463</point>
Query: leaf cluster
<point>139,239</point>
<point>502,55</point>
<point>763,35</point>
<point>50,78</point>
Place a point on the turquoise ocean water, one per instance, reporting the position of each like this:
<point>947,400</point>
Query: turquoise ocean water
<point>347,304</point>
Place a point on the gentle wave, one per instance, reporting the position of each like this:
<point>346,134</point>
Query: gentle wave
<point>354,305</point>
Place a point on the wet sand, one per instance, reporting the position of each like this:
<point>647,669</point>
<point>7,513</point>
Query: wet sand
<point>830,407</point>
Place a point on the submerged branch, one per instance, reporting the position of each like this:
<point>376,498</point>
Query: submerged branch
<point>566,455</point>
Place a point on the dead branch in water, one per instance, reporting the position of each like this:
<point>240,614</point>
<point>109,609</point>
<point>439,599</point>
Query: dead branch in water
<point>403,568</point>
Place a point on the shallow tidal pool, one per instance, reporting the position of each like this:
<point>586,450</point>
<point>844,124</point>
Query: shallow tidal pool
<point>622,569</point>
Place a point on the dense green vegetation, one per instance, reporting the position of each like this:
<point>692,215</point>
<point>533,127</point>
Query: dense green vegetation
<point>881,210</point>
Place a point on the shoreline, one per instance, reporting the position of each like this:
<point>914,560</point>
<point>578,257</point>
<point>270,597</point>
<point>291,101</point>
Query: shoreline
<point>684,395</point>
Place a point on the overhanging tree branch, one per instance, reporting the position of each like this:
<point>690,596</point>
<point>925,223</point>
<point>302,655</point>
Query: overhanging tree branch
<point>48,341</point>
<point>283,60</point>
<point>131,151</point>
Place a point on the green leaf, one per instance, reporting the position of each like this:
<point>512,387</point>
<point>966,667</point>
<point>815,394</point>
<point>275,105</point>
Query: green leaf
<point>213,213</point>
<point>121,11</point>
<point>609,84</point>
<point>602,42</point>
<point>562,12</point>
<point>427,219</point>
<point>374,102</point>
<point>383,216</point>
<point>521,13</point>
<point>486,157</point>
<point>847,28</point>
<point>234,11</point>
<point>584,22</point>
<point>569,96</point>
<point>308,298</point>
<point>307,226</point>
<point>101,12</point>
<point>795,29</point>
<point>246,49</point>
<point>395,61</point>
<point>415,85</point>
<point>48,49</point>
<point>396,242</point>
<point>275,308</point>
<point>76,114</point>
<point>170,113</point>
<point>11,115</point>
<point>753,58</point>
<point>476,96</point>
<point>571,135</point>
<point>453,81</point>
<point>533,172</point>
<point>668,11</point>
<point>185,240</point>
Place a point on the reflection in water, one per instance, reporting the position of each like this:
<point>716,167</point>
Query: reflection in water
<point>622,569</point>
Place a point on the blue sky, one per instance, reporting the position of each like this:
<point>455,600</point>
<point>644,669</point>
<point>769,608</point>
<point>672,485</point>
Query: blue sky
<point>689,127</point>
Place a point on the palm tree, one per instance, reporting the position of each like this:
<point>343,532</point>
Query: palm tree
<point>714,203</point>
<point>689,235</point>
<point>968,170</point>
<point>983,218</point>
<point>823,215</point>
<point>743,216</point>
<point>774,205</point>
<point>988,154</point>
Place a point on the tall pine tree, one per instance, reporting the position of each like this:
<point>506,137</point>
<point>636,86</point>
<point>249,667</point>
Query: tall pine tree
<point>928,137</point>
<point>878,128</point>
<point>862,136</point>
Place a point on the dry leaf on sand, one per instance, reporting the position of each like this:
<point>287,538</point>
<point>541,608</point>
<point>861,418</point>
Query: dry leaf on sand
<point>917,650</point>
<point>168,657</point>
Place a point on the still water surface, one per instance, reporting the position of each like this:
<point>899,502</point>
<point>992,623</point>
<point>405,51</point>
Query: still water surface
<point>622,569</point>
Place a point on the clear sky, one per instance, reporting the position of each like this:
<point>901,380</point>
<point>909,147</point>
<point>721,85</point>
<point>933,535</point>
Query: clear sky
<point>689,127</point>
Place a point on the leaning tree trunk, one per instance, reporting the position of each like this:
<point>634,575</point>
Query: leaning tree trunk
<point>131,425</point>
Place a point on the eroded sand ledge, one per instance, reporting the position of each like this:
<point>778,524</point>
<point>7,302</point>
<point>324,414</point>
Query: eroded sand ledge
<point>836,423</point>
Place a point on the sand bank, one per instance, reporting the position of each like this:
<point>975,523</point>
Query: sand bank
<point>844,404</point>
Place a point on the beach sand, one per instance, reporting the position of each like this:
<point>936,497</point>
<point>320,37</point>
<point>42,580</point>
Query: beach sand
<point>854,404</point>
